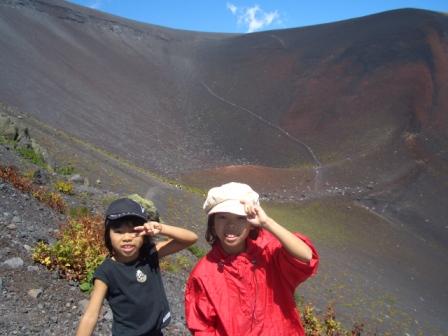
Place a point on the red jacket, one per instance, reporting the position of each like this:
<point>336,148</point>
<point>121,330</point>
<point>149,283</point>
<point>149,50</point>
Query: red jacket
<point>251,293</point>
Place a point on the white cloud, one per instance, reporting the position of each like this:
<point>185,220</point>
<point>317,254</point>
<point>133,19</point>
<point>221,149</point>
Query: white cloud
<point>231,7</point>
<point>95,4</point>
<point>254,18</point>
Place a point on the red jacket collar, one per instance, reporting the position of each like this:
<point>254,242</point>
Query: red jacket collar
<point>252,248</point>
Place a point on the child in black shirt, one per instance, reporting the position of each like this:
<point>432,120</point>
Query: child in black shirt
<point>130,277</point>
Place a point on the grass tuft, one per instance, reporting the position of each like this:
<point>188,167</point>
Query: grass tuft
<point>197,251</point>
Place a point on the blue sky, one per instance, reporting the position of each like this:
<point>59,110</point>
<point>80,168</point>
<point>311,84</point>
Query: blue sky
<point>241,16</point>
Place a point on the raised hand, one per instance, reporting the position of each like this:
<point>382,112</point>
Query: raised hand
<point>255,214</point>
<point>149,229</point>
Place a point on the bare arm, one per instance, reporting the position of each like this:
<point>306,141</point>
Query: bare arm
<point>88,321</point>
<point>293,244</point>
<point>179,238</point>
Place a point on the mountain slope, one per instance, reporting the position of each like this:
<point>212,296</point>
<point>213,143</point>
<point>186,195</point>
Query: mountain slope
<point>350,117</point>
<point>291,97</point>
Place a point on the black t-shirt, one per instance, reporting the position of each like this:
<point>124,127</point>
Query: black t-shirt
<point>136,295</point>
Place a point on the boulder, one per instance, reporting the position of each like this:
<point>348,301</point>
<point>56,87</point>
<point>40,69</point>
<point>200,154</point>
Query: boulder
<point>15,132</point>
<point>8,129</point>
<point>148,205</point>
<point>23,138</point>
<point>41,177</point>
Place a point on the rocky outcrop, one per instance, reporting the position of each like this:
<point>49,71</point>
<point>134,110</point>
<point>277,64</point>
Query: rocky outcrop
<point>148,205</point>
<point>13,133</point>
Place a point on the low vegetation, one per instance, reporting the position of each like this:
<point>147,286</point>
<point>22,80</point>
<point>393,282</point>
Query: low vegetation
<point>79,249</point>
<point>27,151</point>
<point>33,156</point>
<point>197,251</point>
<point>64,187</point>
<point>175,263</point>
<point>77,252</point>
<point>53,199</point>
<point>65,170</point>
<point>325,324</point>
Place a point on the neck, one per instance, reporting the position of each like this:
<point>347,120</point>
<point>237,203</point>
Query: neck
<point>232,250</point>
<point>124,260</point>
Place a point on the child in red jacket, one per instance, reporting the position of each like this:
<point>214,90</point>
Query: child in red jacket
<point>245,284</point>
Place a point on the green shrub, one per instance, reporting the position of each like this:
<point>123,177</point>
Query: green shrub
<point>65,170</point>
<point>64,187</point>
<point>197,251</point>
<point>77,212</point>
<point>53,199</point>
<point>77,252</point>
<point>33,156</point>
<point>325,325</point>
<point>149,206</point>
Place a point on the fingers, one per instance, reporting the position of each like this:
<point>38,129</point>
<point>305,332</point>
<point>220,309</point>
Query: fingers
<point>252,210</point>
<point>149,228</point>
<point>248,206</point>
<point>255,213</point>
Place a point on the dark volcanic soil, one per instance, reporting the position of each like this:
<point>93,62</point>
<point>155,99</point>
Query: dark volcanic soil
<point>346,121</point>
<point>372,268</point>
<point>34,300</point>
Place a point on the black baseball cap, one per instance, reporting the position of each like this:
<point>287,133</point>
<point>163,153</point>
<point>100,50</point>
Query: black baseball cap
<point>125,207</point>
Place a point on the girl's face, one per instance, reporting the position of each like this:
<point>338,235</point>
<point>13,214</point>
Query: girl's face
<point>125,243</point>
<point>232,231</point>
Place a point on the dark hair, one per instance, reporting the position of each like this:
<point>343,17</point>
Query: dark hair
<point>210,235</point>
<point>134,221</point>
